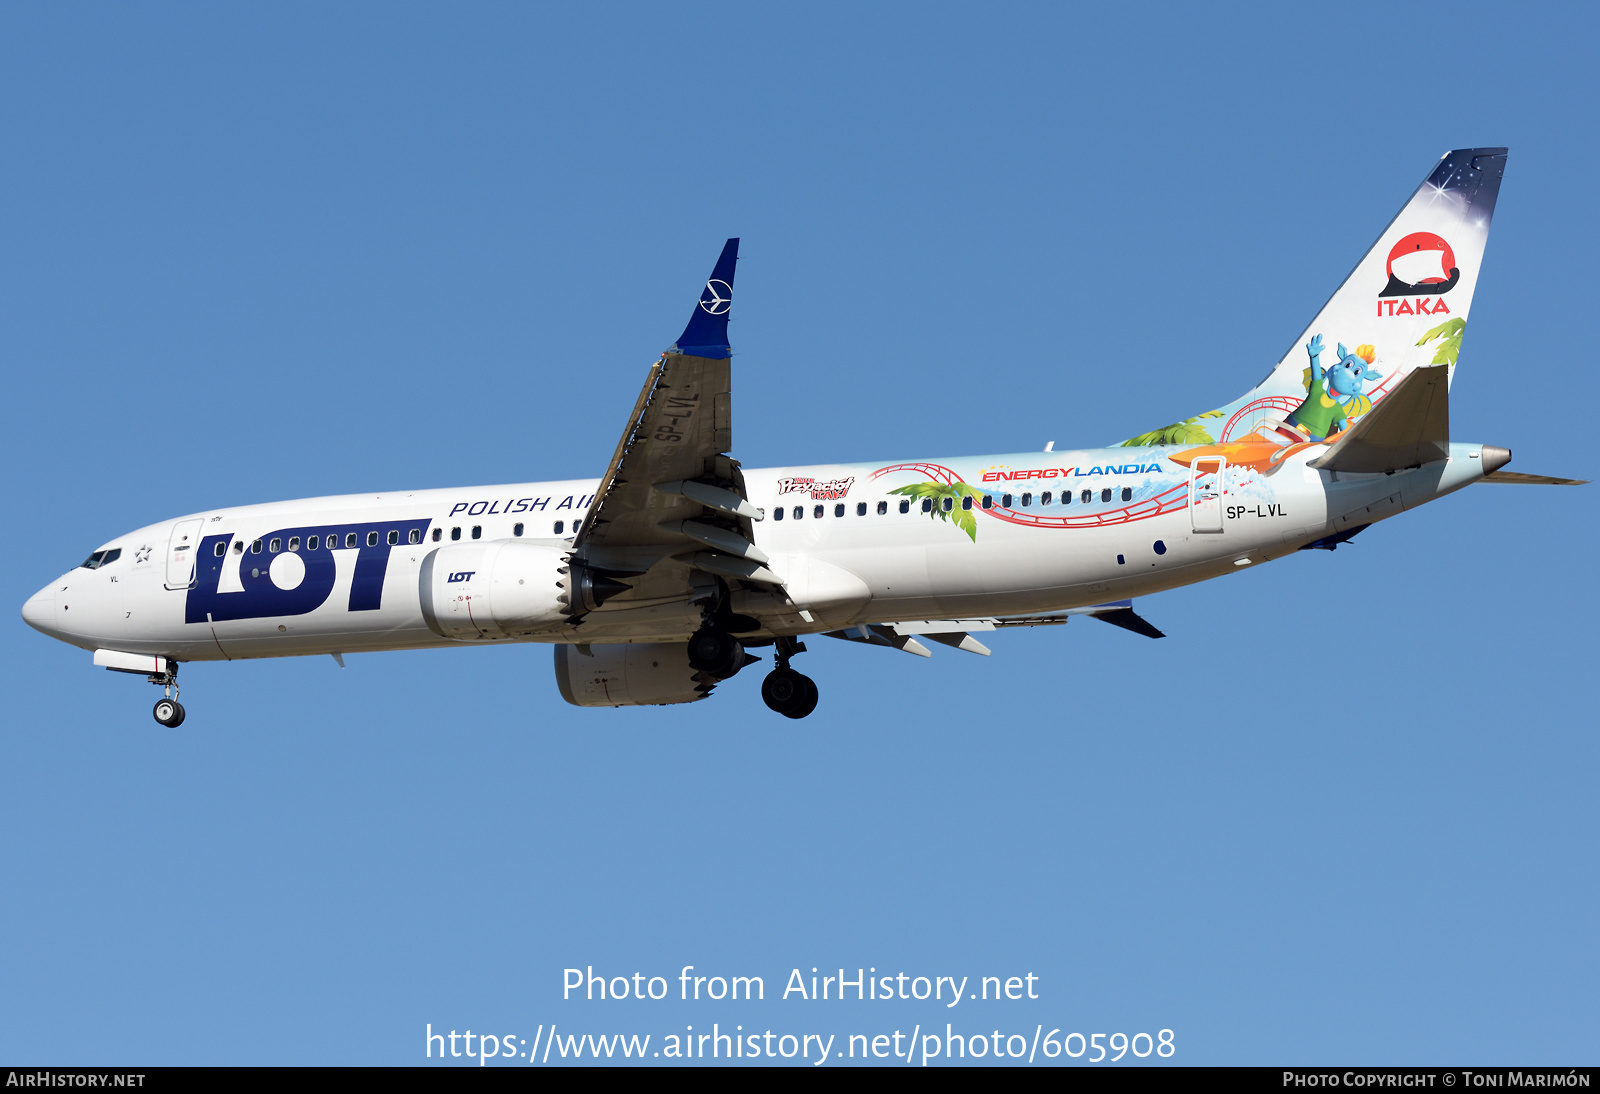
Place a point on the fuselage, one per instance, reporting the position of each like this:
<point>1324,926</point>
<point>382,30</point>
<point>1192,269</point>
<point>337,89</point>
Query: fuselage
<point>856,543</point>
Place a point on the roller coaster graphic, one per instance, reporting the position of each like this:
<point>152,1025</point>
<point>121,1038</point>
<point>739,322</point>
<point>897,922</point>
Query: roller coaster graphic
<point>1170,500</point>
<point>1254,413</point>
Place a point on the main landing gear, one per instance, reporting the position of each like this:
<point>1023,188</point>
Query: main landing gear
<point>718,654</point>
<point>715,652</point>
<point>790,693</point>
<point>168,711</point>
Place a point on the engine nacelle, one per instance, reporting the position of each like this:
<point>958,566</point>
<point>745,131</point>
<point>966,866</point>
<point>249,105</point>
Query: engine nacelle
<point>504,589</point>
<point>635,675</point>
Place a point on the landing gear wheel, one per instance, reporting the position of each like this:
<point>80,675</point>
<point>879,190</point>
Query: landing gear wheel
<point>790,693</point>
<point>169,712</point>
<point>715,652</point>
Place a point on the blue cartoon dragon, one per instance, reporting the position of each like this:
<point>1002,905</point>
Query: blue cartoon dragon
<point>1333,395</point>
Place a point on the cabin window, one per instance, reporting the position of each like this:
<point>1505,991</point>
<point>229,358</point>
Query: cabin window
<point>816,511</point>
<point>350,539</point>
<point>1044,498</point>
<point>311,542</point>
<point>861,508</point>
<point>394,536</point>
<point>1027,499</point>
<point>777,514</point>
<point>1105,495</point>
<point>516,529</point>
<point>799,511</point>
<point>838,510</point>
<point>883,507</point>
<point>221,549</point>
<point>438,534</point>
<point>1086,497</point>
<point>1005,501</point>
<point>455,533</point>
<point>294,543</point>
<point>275,546</point>
<point>1066,497</point>
<point>477,530</point>
<point>238,546</point>
<point>988,501</point>
<point>1127,493</point>
<point>255,548</point>
<point>575,526</point>
<point>927,505</point>
<point>947,504</point>
<point>966,501</point>
<point>416,534</point>
<point>905,505</point>
<point>372,539</point>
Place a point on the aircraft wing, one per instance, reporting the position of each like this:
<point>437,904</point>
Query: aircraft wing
<point>956,632</point>
<point>671,490</point>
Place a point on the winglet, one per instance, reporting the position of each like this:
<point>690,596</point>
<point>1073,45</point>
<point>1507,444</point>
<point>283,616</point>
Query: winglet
<point>707,332</point>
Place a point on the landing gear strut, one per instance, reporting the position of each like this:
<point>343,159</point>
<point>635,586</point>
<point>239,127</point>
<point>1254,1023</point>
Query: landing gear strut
<point>168,711</point>
<point>790,693</point>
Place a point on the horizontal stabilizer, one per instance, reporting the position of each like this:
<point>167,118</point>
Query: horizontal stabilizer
<point>1519,479</point>
<point>1128,620</point>
<point>1409,428</point>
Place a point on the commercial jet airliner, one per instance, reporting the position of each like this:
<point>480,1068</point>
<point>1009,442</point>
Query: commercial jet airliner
<point>653,581</point>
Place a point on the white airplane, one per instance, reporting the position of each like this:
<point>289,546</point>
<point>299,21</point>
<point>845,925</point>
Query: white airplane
<point>652,581</point>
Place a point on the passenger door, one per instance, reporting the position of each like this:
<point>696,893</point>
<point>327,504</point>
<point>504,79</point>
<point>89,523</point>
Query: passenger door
<point>1205,493</point>
<point>181,549</point>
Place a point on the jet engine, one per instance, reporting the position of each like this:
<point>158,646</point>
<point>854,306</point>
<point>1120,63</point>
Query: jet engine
<point>635,675</point>
<point>505,588</point>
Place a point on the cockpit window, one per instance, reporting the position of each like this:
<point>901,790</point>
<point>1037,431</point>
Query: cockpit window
<point>102,558</point>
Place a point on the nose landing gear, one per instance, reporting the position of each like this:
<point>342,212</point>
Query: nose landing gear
<point>790,693</point>
<point>168,711</point>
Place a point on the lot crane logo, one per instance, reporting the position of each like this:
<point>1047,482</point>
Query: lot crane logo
<point>1427,266</point>
<point>717,298</point>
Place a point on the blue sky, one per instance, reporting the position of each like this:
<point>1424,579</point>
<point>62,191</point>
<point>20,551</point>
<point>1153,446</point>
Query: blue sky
<point>263,254</point>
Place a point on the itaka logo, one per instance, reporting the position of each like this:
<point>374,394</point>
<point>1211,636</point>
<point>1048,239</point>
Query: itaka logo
<point>1421,264</point>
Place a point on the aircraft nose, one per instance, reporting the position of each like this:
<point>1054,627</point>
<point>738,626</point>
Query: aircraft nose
<point>40,611</point>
